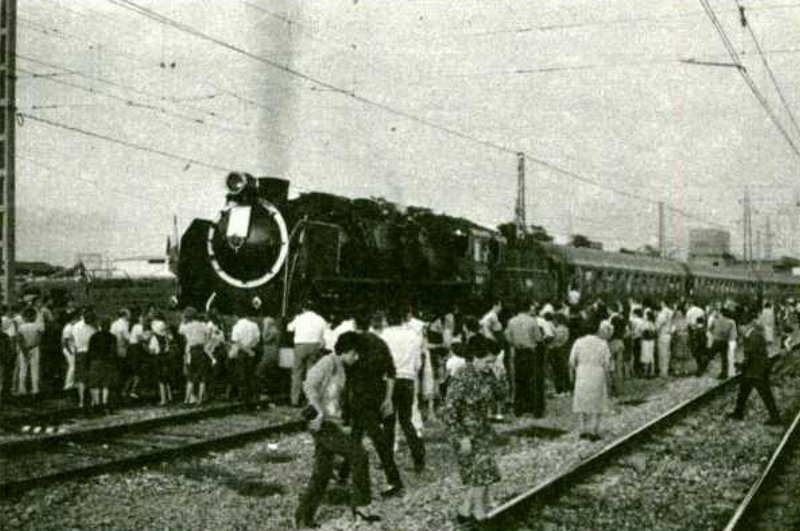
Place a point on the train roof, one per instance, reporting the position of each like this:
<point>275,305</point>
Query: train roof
<point>779,278</point>
<point>723,273</point>
<point>582,256</point>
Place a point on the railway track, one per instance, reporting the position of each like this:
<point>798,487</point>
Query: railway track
<point>771,502</point>
<point>54,428</point>
<point>686,469</point>
<point>33,462</point>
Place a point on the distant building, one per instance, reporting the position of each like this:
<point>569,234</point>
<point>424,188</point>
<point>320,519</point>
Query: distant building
<point>142,267</point>
<point>710,247</point>
<point>709,242</point>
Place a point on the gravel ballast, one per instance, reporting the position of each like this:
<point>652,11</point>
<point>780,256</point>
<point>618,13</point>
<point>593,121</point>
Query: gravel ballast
<point>256,487</point>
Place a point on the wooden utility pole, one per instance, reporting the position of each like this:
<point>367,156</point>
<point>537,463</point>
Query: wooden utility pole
<point>520,209</point>
<point>8,38</point>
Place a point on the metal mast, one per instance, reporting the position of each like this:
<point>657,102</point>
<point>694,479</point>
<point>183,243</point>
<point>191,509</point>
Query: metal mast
<point>8,37</point>
<point>519,211</point>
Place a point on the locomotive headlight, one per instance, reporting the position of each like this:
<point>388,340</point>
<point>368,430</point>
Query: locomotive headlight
<point>236,182</point>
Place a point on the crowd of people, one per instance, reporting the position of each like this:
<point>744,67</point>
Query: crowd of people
<point>379,371</point>
<point>107,361</point>
<point>470,372</point>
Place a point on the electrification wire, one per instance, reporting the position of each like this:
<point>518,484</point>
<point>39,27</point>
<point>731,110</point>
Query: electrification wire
<point>128,57</point>
<point>600,23</point>
<point>150,201</point>
<point>69,71</point>
<point>289,144</point>
<point>746,76</point>
<point>595,66</point>
<point>192,31</point>
<point>125,143</point>
<point>749,26</point>
<point>148,13</point>
<point>127,101</point>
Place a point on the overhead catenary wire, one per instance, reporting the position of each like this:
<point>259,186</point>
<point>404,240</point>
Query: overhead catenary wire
<point>746,76</point>
<point>148,13</point>
<point>63,70</point>
<point>534,159</point>
<point>290,144</point>
<point>131,145</point>
<point>624,21</point>
<point>127,101</point>
<point>749,25</point>
<point>149,201</point>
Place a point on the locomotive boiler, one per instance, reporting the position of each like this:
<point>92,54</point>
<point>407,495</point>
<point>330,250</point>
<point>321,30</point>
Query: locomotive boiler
<point>265,253</point>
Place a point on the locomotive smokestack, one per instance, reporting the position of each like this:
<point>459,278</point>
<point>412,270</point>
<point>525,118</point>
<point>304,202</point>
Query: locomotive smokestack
<point>273,189</point>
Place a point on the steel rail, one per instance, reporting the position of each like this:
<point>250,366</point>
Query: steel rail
<point>502,516</point>
<point>15,487</point>
<point>37,441</point>
<point>749,506</point>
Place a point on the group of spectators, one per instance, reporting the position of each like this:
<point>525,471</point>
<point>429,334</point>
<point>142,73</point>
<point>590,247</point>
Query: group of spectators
<point>148,352</point>
<point>478,369</point>
<point>377,371</point>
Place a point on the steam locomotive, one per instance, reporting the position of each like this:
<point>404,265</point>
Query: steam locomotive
<point>266,253</point>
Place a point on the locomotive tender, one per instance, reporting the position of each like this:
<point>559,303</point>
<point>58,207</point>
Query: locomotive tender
<point>266,254</point>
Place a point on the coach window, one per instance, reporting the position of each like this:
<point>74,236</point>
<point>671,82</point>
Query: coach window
<point>480,250</point>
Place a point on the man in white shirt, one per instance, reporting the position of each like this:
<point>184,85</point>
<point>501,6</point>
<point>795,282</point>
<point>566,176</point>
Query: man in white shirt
<point>195,359</point>
<point>82,332</point>
<point>348,324</point>
<point>767,320</point>
<point>694,313</point>
<point>695,317</point>
<point>245,337</point>
<point>424,381</point>
<point>573,296</point>
<point>309,338</point>
<point>68,349</point>
<point>637,326</point>
<point>121,329</point>
<point>490,322</point>
<point>405,344</point>
<point>664,328</point>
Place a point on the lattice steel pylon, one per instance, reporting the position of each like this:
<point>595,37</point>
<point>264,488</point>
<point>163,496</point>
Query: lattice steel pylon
<point>8,41</point>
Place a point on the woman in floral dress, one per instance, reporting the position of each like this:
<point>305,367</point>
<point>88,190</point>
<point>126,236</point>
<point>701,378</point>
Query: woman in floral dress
<point>472,395</point>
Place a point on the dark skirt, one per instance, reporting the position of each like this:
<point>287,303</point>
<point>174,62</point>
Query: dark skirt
<point>135,355</point>
<point>159,368</point>
<point>199,369</point>
<point>103,373</point>
<point>82,367</point>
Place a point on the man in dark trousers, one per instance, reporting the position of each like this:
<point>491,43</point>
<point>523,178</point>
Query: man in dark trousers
<point>523,336</point>
<point>370,384</point>
<point>755,371</point>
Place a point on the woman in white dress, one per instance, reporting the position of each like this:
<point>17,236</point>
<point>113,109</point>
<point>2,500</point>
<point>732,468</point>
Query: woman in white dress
<point>647,357</point>
<point>590,362</point>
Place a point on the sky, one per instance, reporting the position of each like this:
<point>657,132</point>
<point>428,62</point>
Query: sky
<point>132,113</point>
